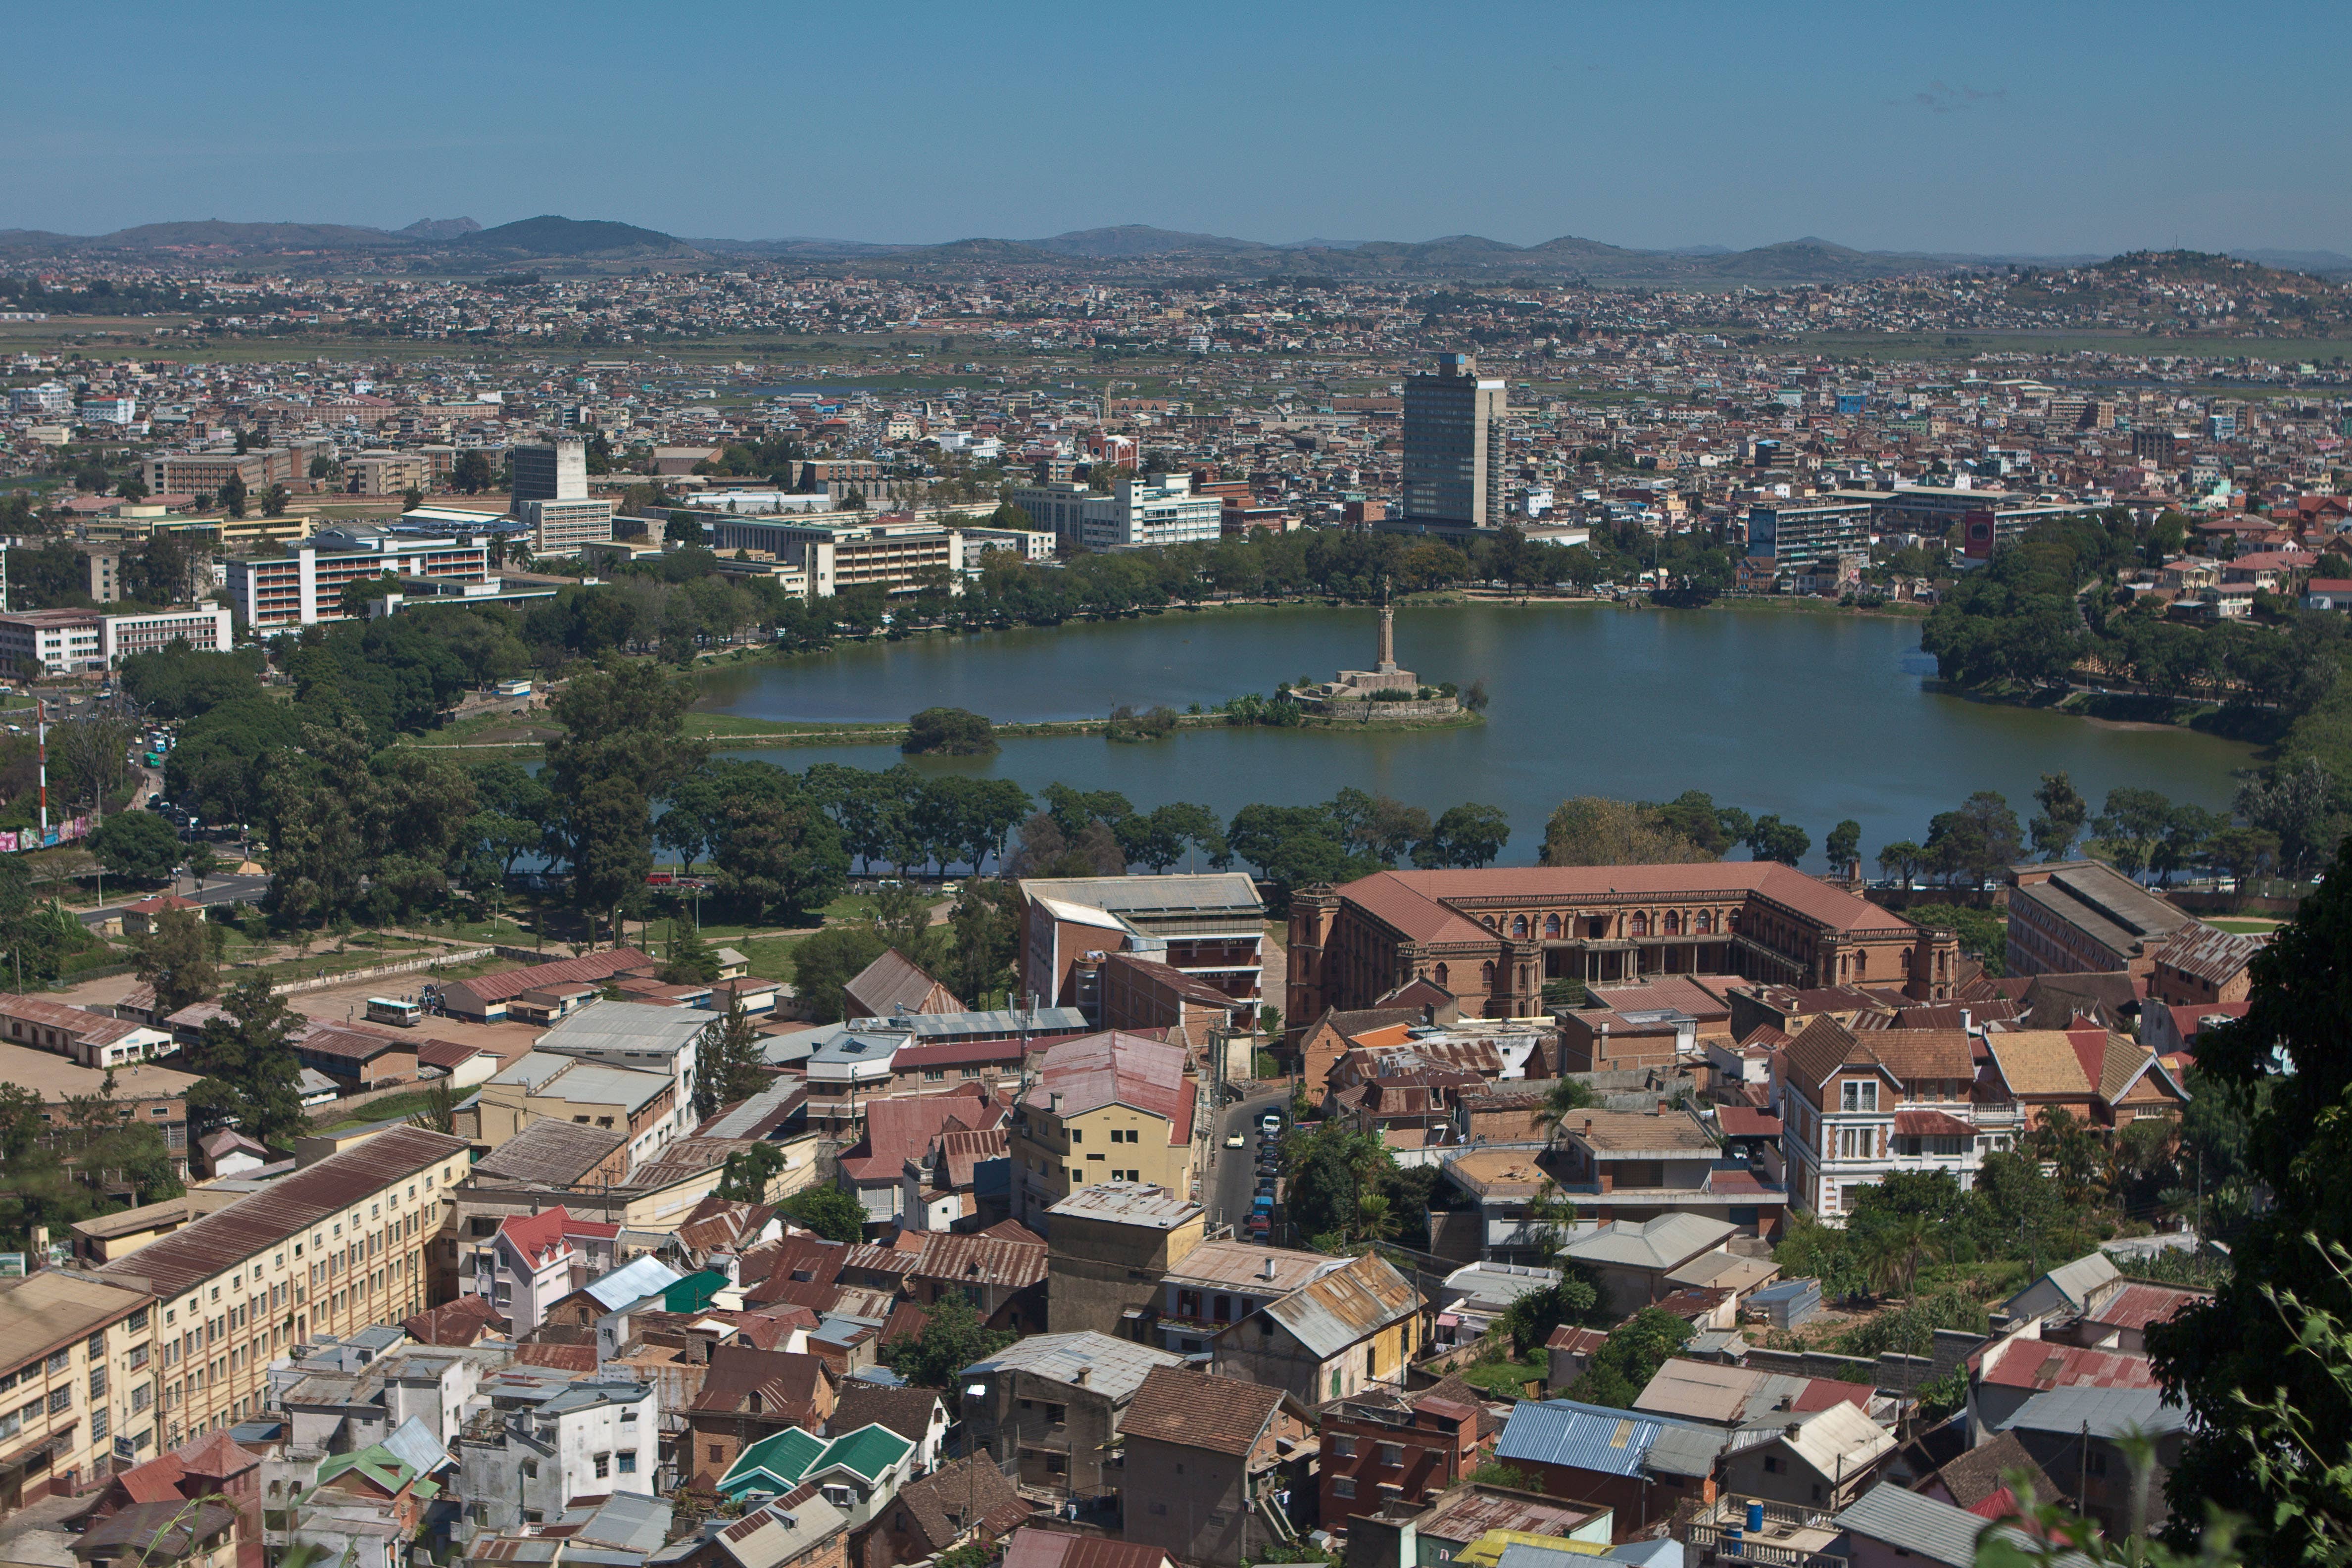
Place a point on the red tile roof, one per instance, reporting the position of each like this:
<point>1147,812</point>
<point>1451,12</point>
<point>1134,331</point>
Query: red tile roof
<point>1122,1068</point>
<point>538,1236</point>
<point>1412,902</point>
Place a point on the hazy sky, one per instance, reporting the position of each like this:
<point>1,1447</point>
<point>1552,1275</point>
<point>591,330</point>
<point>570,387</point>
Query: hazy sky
<point>2041,128</point>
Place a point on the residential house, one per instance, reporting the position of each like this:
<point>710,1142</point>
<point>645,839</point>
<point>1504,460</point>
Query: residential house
<point>642,1038</point>
<point>967,1501</point>
<point>212,1468</point>
<point>484,998</point>
<point>554,1155</point>
<point>1858,1106</point>
<point>1745,1398</point>
<point>1506,1187</point>
<point>1633,1261</point>
<point>1358,1324</point>
<point>1887,1527</point>
<point>747,1396</point>
<point>2203,966</point>
<point>1820,1459</point>
<point>543,1085</point>
<point>2011,1370</point>
<point>543,1438</point>
<point>1475,1511</point>
<point>800,1529</point>
<point>2084,1437</point>
<point>1383,1447</point>
<point>1104,1107</point>
<point>356,1057</point>
<point>1049,1408</point>
<point>1109,1247</point>
<point>2100,1078</point>
<point>894,986</point>
<point>1568,1354</point>
<point>1032,1547</point>
<point>917,1414</point>
<point>188,1535</point>
<point>527,1266</point>
<point>859,1473</point>
<point>1219,1283</point>
<point>1206,1458</point>
<point>1641,1467</point>
<point>1322,1043</point>
<point>1624,1166</point>
<point>911,1131</point>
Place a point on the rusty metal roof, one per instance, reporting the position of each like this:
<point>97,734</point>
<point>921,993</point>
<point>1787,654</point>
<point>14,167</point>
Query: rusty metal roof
<point>1346,1305</point>
<point>286,1207</point>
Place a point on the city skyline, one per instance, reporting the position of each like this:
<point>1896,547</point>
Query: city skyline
<point>1875,131</point>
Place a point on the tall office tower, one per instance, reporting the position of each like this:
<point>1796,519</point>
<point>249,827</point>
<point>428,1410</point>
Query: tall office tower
<point>1453,451</point>
<point>553,471</point>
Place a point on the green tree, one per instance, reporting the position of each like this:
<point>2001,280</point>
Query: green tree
<point>274,500</point>
<point>138,845</point>
<point>622,744</point>
<point>1978,842</point>
<point>781,854</point>
<point>250,1077</point>
<point>1592,830</point>
<point>1465,836</point>
<point>233,496</point>
<point>690,960</point>
<point>683,529</point>
<point>828,1210</point>
<point>2130,825</point>
<point>1630,1357</point>
<point>2059,821</point>
<point>949,732</point>
<point>472,475</point>
<point>2270,1408</point>
<point>953,1338</point>
<point>744,1178</point>
<point>728,1064</point>
<point>176,960</point>
<point>1772,839</point>
<point>826,960</point>
<point>1844,845</point>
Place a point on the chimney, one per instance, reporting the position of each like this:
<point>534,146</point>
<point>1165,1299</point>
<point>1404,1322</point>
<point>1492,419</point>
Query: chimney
<point>1588,1126</point>
<point>1080,1376</point>
<point>1664,1106</point>
<point>1054,1100</point>
<point>1266,1271</point>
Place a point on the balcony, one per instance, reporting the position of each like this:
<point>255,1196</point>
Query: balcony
<point>1786,1536</point>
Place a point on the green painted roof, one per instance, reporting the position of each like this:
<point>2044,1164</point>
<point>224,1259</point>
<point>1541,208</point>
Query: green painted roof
<point>694,1292</point>
<point>379,1464</point>
<point>869,1451</point>
<point>781,1462</point>
<point>774,1462</point>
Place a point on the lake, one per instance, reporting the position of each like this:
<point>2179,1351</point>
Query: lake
<point>1814,716</point>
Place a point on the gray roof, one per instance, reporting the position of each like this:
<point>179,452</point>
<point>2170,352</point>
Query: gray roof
<point>1924,1525</point>
<point>412,1444</point>
<point>739,1121</point>
<point>1113,1367</point>
<point>600,1083</point>
<point>2111,906</point>
<point>634,1281</point>
<point>1142,898</point>
<point>1664,1242</point>
<point>533,1069</point>
<point>550,1149</point>
<point>627,1027</point>
<point>1498,1283</point>
<point>1039,1021</point>
<point>2108,1412</point>
<point>625,1519</point>
<point>2077,1281</point>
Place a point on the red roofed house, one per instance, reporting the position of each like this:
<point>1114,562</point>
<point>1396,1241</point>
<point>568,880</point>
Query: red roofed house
<point>1112,1107</point>
<point>526,1268</point>
<point>1493,936</point>
<point>894,986</point>
<point>2007,1372</point>
<point>908,1130</point>
<point>485,997</point>
<point>210,1467</point>
<point>139,918</point>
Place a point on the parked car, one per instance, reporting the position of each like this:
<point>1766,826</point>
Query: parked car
<point>1235,1141</point>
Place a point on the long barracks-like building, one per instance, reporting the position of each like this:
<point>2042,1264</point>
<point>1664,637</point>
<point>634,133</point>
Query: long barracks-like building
<point>1492,937</point>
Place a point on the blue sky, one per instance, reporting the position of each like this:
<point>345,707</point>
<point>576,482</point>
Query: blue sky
<point>2042,128</point>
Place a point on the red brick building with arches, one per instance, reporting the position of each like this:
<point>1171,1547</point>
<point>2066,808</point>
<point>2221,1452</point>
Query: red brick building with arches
<point>1493,936</point>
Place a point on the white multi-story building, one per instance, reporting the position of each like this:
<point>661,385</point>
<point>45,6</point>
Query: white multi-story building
<point>109,410</point>
<point>1156,511</point>
<point>49,397</point>
<point>66,642</point>
<point>304,583</point>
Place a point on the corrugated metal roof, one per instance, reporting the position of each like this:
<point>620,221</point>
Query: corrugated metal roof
<point>2108,1412</point>
<point>634,1281</point>
<point>1607,1442</point>
<point>1112,1367</point>
<point>1127,1203</point>
<point>1924,1525</point>
<point>1137,897</point>
<point>227,1236</point>
<point>628,1026</point>
<point>1666,1241</point>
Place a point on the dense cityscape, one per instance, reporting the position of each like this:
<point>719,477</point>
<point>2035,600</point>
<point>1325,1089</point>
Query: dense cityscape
<point>1144,900</point>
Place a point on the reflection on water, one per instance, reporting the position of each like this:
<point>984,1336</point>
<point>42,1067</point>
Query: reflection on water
<point>1816,718</point>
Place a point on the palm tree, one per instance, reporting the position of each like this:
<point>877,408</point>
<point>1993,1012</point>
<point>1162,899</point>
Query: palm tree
<point>1567,1095</point>
<point>1375,1217</point>
<point>1893,1252</point>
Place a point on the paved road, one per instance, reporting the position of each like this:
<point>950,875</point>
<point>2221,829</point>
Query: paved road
<point>216,890</point>
<point>1232,1172</point>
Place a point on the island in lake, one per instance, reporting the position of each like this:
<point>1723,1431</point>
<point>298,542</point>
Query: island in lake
<point>1383,694</point>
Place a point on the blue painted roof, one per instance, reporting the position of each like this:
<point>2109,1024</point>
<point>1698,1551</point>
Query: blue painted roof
<point>1606,1441</point>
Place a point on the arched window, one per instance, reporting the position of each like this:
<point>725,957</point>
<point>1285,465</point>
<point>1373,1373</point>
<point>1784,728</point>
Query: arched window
<point>1438,974</point>
<point>1731,922</point>
<point>1641,923</point>
<point>1492,924</point>
<point>1705,922</point>
<point>1551,927</point>
<point>1518,928</point>
<point>1486,976</point>
<point>1674,922</point>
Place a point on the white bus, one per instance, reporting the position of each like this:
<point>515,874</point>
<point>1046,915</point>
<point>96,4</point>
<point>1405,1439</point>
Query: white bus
<point>393,1010</point>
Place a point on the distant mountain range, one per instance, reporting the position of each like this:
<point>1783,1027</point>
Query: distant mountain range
<point>461,243</point>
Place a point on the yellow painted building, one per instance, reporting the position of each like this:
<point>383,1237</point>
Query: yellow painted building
<point>1112,1107</point>
<point>331,1249</point>
<point>75,1373</point>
